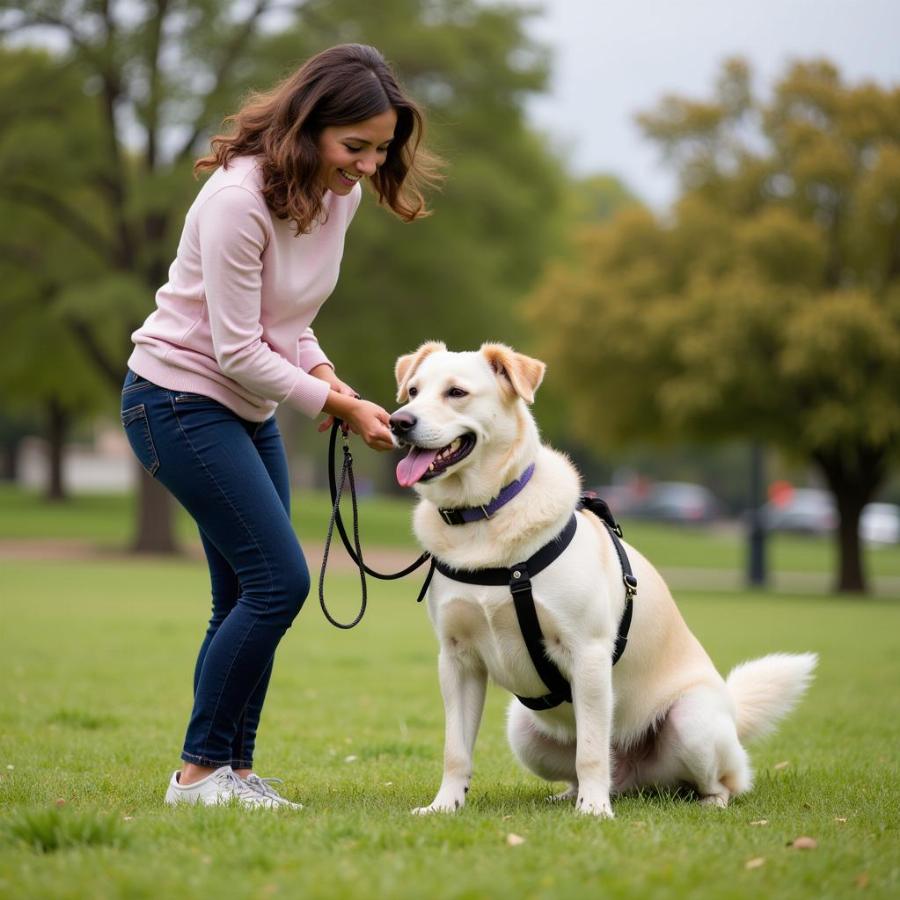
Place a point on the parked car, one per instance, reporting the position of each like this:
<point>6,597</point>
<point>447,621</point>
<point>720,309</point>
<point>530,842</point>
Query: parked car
<point>676,501</point>
<point>803,511</point>
<point>812,511</point>
<point>880,523</point>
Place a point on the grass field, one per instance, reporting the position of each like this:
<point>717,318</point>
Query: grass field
<point>96,666</point>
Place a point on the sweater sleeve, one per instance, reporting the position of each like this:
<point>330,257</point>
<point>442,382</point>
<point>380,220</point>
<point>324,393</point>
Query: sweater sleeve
<point>233,235</point>
<point>311,354</point>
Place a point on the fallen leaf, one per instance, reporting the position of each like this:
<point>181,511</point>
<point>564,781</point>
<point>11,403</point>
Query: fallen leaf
<point>781,765</point>
<point>804,843</point>
<point>505,818</point>
<point>350,758</point>
<point>10,767</point>
<point>760,822</point>
<point>754,863</point>
<point>840,818</point>
<point>128,818</point>
<point>514,840</point>
<point>60,802</point>
<point>862,880</point>
<point>388,783</point>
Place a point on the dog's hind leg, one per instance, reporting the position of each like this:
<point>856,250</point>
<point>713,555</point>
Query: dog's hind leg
<point>542,754</point>
<point>698,744</point>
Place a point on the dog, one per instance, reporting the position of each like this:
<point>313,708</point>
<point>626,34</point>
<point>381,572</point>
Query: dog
<point>663,716</point>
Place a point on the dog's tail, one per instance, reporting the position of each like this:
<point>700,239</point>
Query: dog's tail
<point>765,690</point>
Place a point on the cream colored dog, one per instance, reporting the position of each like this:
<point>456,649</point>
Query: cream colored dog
<point>663,715</point>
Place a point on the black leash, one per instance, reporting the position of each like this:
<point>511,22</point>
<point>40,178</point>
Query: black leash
<point>355,551</point>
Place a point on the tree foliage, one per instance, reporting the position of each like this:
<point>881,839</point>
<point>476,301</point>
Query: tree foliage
<point>153,79</point>
<point>767,304</point>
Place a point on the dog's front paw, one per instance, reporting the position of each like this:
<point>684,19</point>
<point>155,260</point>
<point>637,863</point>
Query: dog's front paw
<point>448,800</point>
<point>595,805</point>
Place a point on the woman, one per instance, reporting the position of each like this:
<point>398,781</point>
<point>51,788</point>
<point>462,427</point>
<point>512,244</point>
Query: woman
<point>230,339</point>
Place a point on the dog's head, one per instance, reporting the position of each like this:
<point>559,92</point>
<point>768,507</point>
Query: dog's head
<point>463,413</point>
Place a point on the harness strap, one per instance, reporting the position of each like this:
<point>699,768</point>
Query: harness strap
<point>518,579</point>
<point>600,508</point>
<point>500,576</point>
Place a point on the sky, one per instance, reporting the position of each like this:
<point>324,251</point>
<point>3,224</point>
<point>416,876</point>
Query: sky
<point>614,59</point>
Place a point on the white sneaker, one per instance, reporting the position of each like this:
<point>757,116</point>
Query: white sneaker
<point>263,786</point>
<point>221,786</point>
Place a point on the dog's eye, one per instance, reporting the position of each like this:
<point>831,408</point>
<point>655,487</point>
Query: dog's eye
<point>412,392</point>
<point>456,392</point>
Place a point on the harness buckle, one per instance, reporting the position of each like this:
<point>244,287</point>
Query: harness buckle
<point>519,579</point>
<point>487,515</point>
<point>630,585</point>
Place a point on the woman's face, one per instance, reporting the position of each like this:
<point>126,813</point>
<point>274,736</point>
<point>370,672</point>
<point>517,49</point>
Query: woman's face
<point>347,152</point>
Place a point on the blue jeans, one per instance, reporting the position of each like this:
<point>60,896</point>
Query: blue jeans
<point>231,475</point>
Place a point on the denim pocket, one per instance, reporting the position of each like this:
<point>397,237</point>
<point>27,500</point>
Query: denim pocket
<point>187,397</point>
<point>137,429</point>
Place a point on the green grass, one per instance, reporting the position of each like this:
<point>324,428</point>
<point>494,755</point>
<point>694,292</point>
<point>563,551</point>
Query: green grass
<point>96,668</point>
<point>385,521</point>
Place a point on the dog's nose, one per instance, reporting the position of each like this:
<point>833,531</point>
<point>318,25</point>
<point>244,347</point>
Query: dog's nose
<point>402,423</point>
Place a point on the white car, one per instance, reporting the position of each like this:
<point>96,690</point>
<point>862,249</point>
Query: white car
<point>880,523</point>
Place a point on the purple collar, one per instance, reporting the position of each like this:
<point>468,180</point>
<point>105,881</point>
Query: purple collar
<point>463,514</point>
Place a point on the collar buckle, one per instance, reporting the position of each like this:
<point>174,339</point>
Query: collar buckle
<point>451,516</point>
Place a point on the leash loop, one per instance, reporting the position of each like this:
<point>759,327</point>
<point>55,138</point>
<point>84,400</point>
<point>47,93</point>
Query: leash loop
<point>336,489</point>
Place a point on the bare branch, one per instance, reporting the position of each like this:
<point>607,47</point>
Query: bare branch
<point>111,369</point>
<point>44,20</point>
<point>232,51</point>
<point>153,99</point>
<point>48,291</point>
<point>71,219</point>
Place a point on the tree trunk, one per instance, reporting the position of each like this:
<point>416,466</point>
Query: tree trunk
<point>9,459</point>
<point>155,517</point>
<point>57,429</point>
<point>853,478</point>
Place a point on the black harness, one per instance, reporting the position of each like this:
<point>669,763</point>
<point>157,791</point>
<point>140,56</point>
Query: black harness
<point>518,579</point>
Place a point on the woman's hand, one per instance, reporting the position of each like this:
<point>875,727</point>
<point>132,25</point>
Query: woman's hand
<point>371,423</point>
<point>364,418</point>
<point>327,374</point>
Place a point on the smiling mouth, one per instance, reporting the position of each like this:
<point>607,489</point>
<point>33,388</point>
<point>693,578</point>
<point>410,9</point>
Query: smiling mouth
<point>426,463</point>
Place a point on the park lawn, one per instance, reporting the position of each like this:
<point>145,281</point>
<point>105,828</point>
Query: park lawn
<point>108,521</point>
<point>96,668</point>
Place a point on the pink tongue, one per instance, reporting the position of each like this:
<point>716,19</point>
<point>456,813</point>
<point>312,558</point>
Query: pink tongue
<point>413,466</point>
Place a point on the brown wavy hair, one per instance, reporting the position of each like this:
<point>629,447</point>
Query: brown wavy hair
<point>340,86</point>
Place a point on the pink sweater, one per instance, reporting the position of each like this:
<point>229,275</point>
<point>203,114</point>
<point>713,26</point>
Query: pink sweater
<point>232,322</point>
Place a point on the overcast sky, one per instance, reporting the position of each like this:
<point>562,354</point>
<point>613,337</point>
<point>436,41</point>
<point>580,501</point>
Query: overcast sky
<point>612,59</point>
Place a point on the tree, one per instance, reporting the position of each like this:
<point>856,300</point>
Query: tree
<point>50,284</point>
<point>459,273</point>
<point>163,74</point>
<point>767,305</point>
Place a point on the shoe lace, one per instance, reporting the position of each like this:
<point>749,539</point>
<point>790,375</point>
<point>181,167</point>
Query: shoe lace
<point>237,786</point>
<point>263,786</point>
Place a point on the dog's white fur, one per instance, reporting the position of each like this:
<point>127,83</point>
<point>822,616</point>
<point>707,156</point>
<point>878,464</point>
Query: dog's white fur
<point>663,716</point>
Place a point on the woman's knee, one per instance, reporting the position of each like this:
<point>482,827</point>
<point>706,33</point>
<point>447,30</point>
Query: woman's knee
<point>292,589</point>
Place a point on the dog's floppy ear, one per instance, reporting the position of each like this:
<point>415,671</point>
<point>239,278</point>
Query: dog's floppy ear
<point>407,365</point>
<point>520,375</point>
